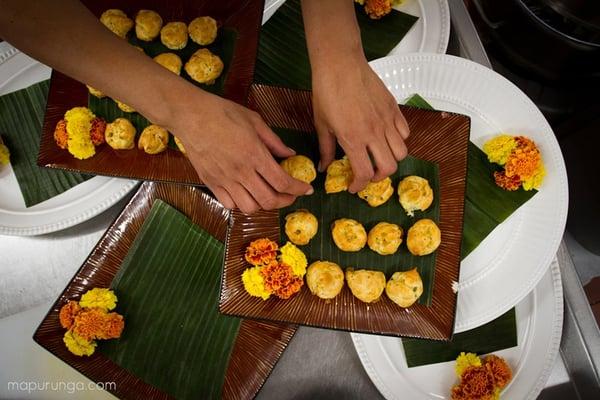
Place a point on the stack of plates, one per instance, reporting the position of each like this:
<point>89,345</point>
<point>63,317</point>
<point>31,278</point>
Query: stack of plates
<point>514,265</point>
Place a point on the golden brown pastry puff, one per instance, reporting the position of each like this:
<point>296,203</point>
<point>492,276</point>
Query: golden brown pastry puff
<point>348,234</point>
<point>203,30</point>
<point>204,67</point>
<point>415,194</point>
<point>423,237</point>
<point>153,139</point>
<point>179,144</point>
<point>174,35</point>
<point>147,25</point>
<point>377,193</point>
<point>120,134</point>
<point>170,61</point>
<point>365,285</point>
<point>117,21</point>
<point>124,107</point>
<point>404,288</point>
<point>300,167</point>
<point>325,279</point>
<point>339,176</point>
<point>385,238</point>
<point>95,92</point>
<point>301,226</point>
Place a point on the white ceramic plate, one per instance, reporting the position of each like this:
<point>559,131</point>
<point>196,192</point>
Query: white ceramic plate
<point>72,207</point>
<point>430,34</point>
<point>507,265</point>
<point>539,325</point>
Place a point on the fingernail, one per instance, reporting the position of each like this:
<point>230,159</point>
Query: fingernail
<point>309,191</point>
<point>292,150</point>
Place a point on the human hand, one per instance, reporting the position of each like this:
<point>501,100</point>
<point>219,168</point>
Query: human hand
<point>351,104</point>
<point>232,150</point>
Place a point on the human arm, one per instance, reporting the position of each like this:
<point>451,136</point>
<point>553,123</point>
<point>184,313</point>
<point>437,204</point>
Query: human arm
<point>351,104</point>
<point>229,146</point>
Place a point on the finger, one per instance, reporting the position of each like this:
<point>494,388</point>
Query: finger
<point>396,144</point>
<point>243,200</point>
<point>326,146</point>
<point>265,195</point>
<point>384,160</point>
<point>273,142</point>
<point>362,169</point>
<point>281,181</point>
<point>401,124</point>
<point>223,197</point>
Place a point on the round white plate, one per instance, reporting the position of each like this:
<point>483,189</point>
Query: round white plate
<point>507,265</point>
<point>430,34</point>
<point>539,326</point>
<point>72,207</point>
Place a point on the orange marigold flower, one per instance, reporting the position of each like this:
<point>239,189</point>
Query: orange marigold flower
<point>96,323</point>
<point>524,161</point>
<point>60,134</point>
<point>476,383</point>
<point>279,278</point>
<point>507,182</point>
<point>261,252</point>
<point>97,131</point>
<point>500,369</point>
<point>67,314</point>
<point>376,9</point>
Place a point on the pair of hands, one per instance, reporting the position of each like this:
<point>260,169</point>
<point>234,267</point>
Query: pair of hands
<point>232,148</point>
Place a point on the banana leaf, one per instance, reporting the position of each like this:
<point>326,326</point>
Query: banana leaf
<point>168,289</point>
<point>282,54</point>
<point>486,206</point>
<point>223,46</point>
<point>21,118</point>
<point>498,334</point>
<point>329,207</point>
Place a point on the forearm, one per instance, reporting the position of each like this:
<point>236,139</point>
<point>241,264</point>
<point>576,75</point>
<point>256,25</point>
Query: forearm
<point>332,32</point>
<point>68,37</point>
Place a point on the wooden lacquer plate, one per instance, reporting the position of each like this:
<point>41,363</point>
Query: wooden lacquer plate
<point>239,23</point>
<point>258,345</point>
<point>438,137</point>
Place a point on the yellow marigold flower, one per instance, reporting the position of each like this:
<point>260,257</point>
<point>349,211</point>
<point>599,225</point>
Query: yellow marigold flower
<point>361,2</point>
<point>4,154</point>
<point>295,258</point>
<point>254,283</point>
<point>465,360</point>
<point>535,181</point>
<point>499,148</point>
<point>104,299</point>
<point>78,345</point>
<point>79,125</point>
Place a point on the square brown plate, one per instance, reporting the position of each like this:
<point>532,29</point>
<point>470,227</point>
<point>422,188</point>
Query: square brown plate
<point>243,16</point>
<point>258,345</point>
<point>439,137</point>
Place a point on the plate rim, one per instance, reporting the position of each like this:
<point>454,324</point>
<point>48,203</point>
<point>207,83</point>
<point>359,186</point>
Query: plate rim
<point>550,356</point>
<point>502,306</point>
